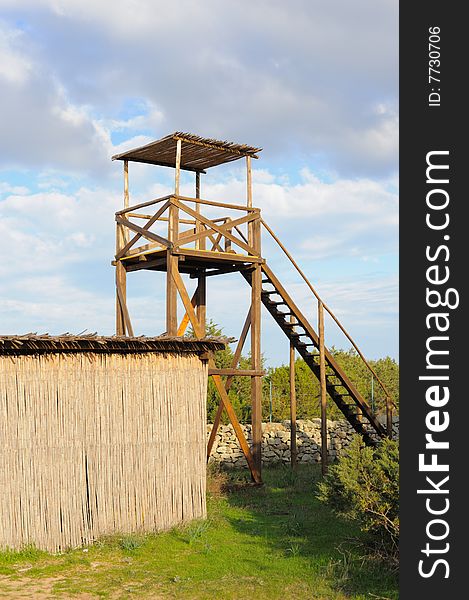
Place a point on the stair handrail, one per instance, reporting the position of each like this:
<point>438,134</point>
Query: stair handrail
<point>329,311</point>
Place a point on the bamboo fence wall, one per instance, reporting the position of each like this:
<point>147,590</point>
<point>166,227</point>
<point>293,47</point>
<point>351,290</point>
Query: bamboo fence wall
<point>94,444</point>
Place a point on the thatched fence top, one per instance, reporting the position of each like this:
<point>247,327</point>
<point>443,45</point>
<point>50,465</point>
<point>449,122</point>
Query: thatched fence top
<point>32,343</point>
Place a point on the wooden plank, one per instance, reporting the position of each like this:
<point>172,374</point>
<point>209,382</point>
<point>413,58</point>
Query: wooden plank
<point>389,417</point>
<point>218,204</point>
<point>126,194</point>
<point>237,372</point>
<point>120,278</point>
<point>146,264</point>
<point>201,306</point>
<point>199,244</point>
<point>219,256</point>
<point>165,164</point>
<point>249,195</point>
<point>149,235</point>
<point>147,226</point>
<point>293,448</point>
<point>142,250</point>
<point>126,184</point>
<point>171,294</point>
<point>217,228</point>
<point>121,289</point>
<point>256,364</point>
<point>185,320</point>
<point>143,204</point>
<point>322,381</point>
<point>177,174</point>
<point>199,332</point>
<point>220,271</point>
<point>142,216</point>
<point>249,181</point>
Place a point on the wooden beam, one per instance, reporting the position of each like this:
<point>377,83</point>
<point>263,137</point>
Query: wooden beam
<point>237,372</point>
<point>121,293</point>
<point>143,204</point>
<point>177,174</point>
<point>120,283</point>
<point>249,195</point>
<point>171,294</point>
<point>146,227</point>
<point>146,264</point>
<point>164,164</point>
<point>185,320</point>
<point>201,301</point>
<point>293,448</point>
<point>126,194</point>
<point>199,332</point>
<point>389,417</point>
<point>322,381</point>
<point>218,204</point>
<point>256,364</point>
<point>145,248</point>
<point>199,244</point>
<point>249,181</point>
<point>219,256</point>
<point>220,271</point>
<point>126,184</point>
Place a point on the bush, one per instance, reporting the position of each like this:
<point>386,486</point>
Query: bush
<point>364,486</point>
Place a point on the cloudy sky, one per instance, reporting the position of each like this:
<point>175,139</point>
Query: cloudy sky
<point>312,82</point>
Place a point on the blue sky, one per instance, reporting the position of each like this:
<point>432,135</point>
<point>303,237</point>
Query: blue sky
<point>314,83</point>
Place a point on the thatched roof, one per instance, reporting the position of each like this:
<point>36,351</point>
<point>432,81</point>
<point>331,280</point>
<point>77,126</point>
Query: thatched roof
<point>40,344</point>
<point>197,153</point>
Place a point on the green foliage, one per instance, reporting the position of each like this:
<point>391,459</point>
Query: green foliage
<point>364,486</point>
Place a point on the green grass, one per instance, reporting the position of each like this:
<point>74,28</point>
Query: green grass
<point>275,541</point>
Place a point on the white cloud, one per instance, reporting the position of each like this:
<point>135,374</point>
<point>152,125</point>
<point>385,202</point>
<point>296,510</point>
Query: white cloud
<point>14,66</point>
<point>313,78</point>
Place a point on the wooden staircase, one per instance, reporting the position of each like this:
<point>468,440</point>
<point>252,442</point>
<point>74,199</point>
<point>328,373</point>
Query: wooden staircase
<point>306,341</point>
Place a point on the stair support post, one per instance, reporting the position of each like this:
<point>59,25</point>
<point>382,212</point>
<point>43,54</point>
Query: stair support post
<point>322,381</point>
<point>256,357</point>
<point>389,417</point>
<point>293,449</point>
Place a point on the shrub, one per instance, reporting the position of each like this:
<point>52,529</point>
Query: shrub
<point>364,486</point>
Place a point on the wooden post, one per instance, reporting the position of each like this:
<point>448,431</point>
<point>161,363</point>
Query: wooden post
<point>256,358</point>
<point>322,367</point>
<point>249,196</point>
<point>389,417</point>
<point>172,259</point>
<point>126,196</point>
<point>201,279</point>
<point>293,449</point>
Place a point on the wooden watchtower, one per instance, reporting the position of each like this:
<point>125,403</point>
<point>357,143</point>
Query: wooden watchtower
<point>202,238</point>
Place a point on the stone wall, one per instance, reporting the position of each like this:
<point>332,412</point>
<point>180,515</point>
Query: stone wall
<point>276,441</point>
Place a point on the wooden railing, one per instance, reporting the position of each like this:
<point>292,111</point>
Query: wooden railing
<point>221,234</point>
